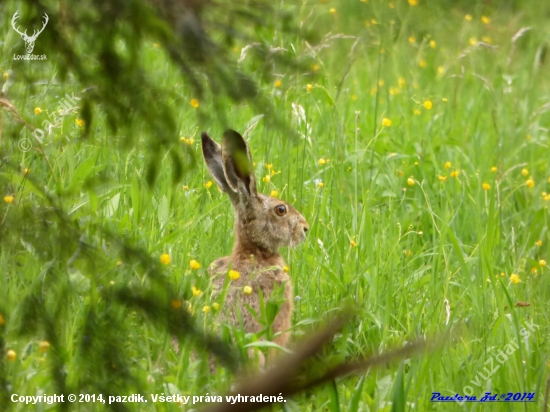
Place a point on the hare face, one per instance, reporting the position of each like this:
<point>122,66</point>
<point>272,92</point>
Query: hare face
<point>270,223</point>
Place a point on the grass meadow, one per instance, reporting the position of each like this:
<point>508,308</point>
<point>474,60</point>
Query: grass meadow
<point>420,159</point>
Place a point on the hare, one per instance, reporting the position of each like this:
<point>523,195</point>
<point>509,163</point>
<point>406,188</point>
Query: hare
<point>262,225</point>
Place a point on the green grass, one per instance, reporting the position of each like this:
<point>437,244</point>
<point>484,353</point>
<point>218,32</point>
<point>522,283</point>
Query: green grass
<point>439,238</point>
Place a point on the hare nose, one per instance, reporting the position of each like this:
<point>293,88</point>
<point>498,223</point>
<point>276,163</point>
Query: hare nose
<point>306,228</point>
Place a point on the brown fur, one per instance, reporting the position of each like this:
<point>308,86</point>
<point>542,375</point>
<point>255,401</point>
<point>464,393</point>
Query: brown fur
<point>259,232</point>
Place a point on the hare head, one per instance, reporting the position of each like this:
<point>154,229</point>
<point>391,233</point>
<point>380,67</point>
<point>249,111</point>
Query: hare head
<point>262,223</point>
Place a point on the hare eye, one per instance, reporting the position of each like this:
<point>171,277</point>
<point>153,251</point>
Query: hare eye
<point>280,210</point>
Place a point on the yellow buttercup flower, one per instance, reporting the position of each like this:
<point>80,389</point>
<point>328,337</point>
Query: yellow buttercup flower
<point>194,103</point>
<point>8,199</point>
<point>5,75</point>
<point>165,259</point>
<point>208,184</point>
<point>206,309</point>
<point>468,17</point>
<point>401,82</point>
<point>320,184</point>
<point>353,243</point>
<point>486,186</point>
<point>412,39</point>
<point>514,278</point>
<point>247,290</point>
<point>417,112</point>
<point>485,20</point>
<point>428,104</point>
<point>332,10</point>
<point>413,2</point>
<point>322,161</point>
<point>234,275</point>
<point>410,181</point>
<point>542,262</point>
<point>525,172</point>
<point>422,63</point>
<point>37,110</point>
<point>534,271</point>
<point>43,346</point>
<point>215,305</point>
<point>194,264</point>
<point>494,169</point>
<point>386,122</point>
<point>266,179</point>
<point>278,83</point>
<point>79,122</point>
<point>309,87</point>
<point>473,41</point>
<point>433,44</point>
<point>447,165</point>
<point>196,292</point>
<point>442,178</point>
<point>454,173</point>
<point>530,183</point>
<point>538,243</point>
<point>441,70</point>
<point>11,355</point>
<point>286,269</point>
<point>273,193</point>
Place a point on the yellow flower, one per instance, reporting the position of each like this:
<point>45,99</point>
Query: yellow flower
<point>542,262</point>
<point>194,264</point>
<point>401,82</point>
<point>417,112</point>
<point>165,258</point>
<point>315,67</point>
<point>447,165</point>
<point>111,283</point>
<point>8,199</point>
<point>394,91</point>
<point>43,346</point>
<point>524,172</point>
<point>530,183</point>
<point>6,75</point>
<point>189,141</point>
<point>189,308</point>
<point>176,303</point>
<point>494,169</point>
<point>538,243</point>
<point>278,83</point>
<point>37,110</point>
<point>433,44</point>
<point>485,20</point>
<point>273,193</point>
<point>332,10</point>
<point>486,186</point>
<point>196,292</point>
<point>286,269</point>
<point>352,243</point>
<point>11,355</point>
<point>266,179</point>
<point>454,173</point>
<point>441,70</point>
<point>468,17</point>
<point>410,181</point>
<point>194,103</point>
<point>407,252</point>
<point>442,178</point>
<point>444,100</point>
<point>514,278</point>
<point>79,122</point>
<point>428,104</point>
<point>381,83</point>
<point>185,187</point>
<point>206,309</point>
<point>309,87</point>
<point>234,275</point>
<point>322,161</point>
<point>215,305</point>
<point>208,184</point>
<point>26,171</point>
<point>473,41</point>
<point>487,39</point>
<point>320,184</point>
<point>413,2</point>
<point>2,320</point>
<point>247,290</point>
<point>422,63</point>
<point>119,263</point>
<point>386,122</point>
<point>412,39</point>
<point>502,274</point>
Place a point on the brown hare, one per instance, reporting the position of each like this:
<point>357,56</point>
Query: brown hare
<point>262,225</point>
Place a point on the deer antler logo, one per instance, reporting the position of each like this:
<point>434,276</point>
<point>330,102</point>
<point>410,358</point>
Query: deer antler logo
<point>29,40</point>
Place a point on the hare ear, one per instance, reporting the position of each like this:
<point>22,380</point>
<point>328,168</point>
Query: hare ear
<point>237,164</point>
<point>212,153</point>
